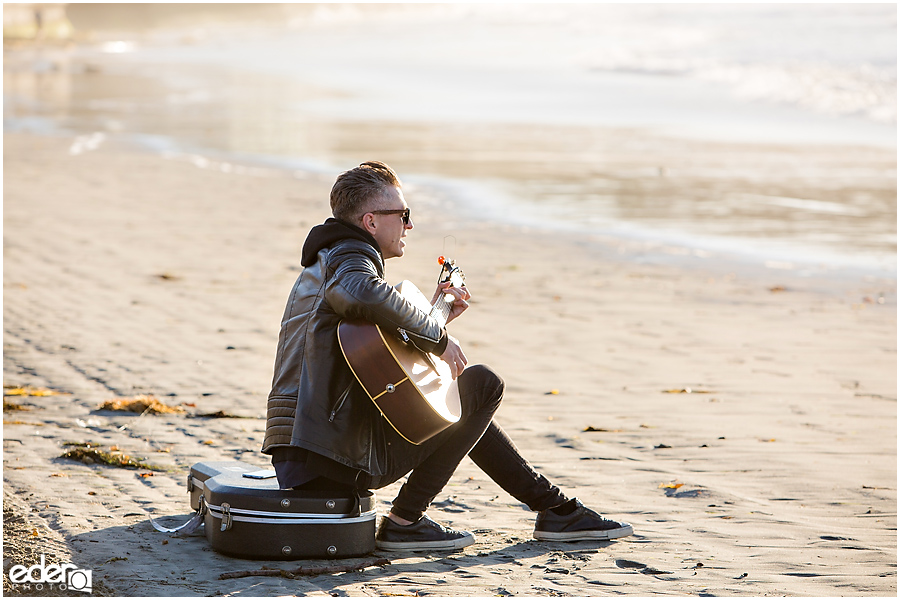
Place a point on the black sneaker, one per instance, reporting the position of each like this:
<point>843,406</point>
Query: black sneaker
<point>424,534</point>
<point>580,524</point>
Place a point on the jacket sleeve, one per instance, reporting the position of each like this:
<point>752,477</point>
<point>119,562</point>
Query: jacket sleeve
<point>355,289</point>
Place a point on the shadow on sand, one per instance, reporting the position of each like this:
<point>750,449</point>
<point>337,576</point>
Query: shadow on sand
<point>140,561</point>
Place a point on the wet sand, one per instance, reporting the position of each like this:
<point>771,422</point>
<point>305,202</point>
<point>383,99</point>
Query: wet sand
<point>129,274</point>
<point>524,144</point>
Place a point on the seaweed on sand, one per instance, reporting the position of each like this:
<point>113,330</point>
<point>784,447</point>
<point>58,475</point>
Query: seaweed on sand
<point>90,455</point>
<point>140,404</point>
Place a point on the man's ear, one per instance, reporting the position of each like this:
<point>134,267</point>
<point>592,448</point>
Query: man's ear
<point>368,222</point>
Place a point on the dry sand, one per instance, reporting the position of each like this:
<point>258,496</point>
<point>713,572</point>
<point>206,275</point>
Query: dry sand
<point>128,274</point>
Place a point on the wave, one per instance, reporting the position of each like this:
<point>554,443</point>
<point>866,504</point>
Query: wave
<point>835,60</point>
<point>859,90</point>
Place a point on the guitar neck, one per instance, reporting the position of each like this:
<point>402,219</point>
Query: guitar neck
<point>441,309</point>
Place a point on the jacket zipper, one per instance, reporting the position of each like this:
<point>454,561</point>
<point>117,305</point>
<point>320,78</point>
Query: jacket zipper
<point>340,402</point>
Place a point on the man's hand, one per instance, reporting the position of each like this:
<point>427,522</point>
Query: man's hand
<point>460,295</point>
<point>454,357</point>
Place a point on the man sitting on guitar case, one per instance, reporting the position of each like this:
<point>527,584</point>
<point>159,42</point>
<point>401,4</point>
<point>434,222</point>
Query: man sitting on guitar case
<point>324,431</point>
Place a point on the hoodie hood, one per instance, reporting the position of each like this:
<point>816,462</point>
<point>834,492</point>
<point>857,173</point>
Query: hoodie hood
<point>330,232</point>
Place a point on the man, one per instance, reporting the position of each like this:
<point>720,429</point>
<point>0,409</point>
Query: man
<point>323,432</point>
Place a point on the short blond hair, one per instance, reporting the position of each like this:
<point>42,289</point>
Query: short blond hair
<point>360,189</point>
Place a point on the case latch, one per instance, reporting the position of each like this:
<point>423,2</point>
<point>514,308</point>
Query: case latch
<point>226,517</point>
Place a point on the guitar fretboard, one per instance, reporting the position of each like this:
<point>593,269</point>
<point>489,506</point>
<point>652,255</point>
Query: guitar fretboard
<point>441,310</point>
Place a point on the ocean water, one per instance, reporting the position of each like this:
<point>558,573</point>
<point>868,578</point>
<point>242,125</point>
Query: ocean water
<point>765,130</point>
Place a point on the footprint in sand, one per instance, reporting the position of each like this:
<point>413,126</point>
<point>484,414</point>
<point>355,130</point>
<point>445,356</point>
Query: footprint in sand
<point>631,564</point>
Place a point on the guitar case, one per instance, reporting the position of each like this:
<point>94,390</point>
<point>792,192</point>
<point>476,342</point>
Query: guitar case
<point>250,517</point>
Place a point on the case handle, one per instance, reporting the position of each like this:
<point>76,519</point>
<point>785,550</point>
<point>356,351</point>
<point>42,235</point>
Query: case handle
<point>189,527</point>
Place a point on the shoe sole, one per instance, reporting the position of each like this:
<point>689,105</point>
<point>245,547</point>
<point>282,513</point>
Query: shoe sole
<point>454,544</point>
<point>579,536</point>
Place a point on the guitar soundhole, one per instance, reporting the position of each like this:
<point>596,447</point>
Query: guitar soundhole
<point>389,388</point>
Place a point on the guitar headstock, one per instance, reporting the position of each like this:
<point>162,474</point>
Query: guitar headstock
<point>450,272</point>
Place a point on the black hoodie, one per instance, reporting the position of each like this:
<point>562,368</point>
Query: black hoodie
<point>329,232</point>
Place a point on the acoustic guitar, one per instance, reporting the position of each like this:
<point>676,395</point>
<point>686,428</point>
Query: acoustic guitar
<point>414,390</point>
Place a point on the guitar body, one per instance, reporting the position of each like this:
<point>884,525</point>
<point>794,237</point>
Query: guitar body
<point>414,391</point>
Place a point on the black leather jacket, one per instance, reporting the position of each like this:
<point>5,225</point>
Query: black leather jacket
<point>315,402</point>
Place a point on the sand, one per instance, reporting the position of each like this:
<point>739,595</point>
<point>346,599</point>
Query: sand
<point>129,274</point>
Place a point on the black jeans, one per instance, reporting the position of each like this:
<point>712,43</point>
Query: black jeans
<point>433,462</point>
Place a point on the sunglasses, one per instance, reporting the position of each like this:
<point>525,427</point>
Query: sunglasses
<point>403,212</point>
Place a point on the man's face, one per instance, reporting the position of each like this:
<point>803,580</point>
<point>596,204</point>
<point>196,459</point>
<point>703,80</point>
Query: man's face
<point>389,229</point>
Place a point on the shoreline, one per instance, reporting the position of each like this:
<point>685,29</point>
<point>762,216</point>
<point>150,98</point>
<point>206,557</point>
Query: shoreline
<point>662,245</point>
<point>795,202</point>
<point>129,274</point>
